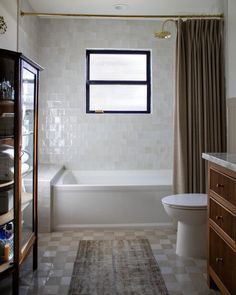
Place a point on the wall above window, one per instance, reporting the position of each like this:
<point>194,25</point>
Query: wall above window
<point>118,81</point>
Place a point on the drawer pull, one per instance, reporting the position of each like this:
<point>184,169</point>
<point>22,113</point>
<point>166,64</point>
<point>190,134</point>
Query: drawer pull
<point>219,185</point>
<point>219,259</point>
<point>219,217</point>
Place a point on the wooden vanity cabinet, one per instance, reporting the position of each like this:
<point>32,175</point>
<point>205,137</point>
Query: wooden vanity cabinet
<point>222,228</point>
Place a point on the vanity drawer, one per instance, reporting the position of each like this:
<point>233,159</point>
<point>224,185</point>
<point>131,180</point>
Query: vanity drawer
<point>222,260</point>
<point>223,185</point>
<point>223,218</point>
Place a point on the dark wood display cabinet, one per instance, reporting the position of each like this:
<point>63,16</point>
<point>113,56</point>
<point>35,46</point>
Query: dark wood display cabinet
<point>19,80</point>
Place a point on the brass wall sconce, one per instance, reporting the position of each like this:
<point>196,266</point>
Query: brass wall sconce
<point>3,25</point>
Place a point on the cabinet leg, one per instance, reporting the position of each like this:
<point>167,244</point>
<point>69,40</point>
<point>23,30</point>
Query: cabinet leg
<point>211,283</point>
<point>15,282</point>
<point>35,255</point>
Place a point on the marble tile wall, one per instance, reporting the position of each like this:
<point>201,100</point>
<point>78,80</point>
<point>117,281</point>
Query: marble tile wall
<point>29,28</point>
<point>231,116</point>
<point>69,136</point>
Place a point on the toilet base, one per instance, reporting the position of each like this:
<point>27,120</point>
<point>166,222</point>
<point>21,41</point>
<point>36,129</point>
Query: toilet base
<point>191,240</point>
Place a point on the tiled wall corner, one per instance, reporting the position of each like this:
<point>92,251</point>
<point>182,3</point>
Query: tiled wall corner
<point>28,33</point>
<point>44,206</point>
<point>47,176</point>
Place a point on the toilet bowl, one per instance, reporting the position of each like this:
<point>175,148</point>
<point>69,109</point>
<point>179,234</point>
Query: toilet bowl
<point>190,211</point>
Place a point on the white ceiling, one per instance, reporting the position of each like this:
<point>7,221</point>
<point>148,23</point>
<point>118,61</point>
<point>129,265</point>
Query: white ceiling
<point>133,6</point>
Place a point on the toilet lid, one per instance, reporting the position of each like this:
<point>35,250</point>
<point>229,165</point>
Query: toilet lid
<point>186,200</point>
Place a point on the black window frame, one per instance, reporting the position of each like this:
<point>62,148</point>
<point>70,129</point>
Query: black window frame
<point>118,82</point>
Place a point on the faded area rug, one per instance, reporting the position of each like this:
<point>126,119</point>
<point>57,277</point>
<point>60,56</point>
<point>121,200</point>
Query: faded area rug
<point>116,267</point>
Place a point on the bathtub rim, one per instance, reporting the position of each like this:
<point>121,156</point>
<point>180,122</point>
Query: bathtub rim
<point>161,186</point>
<point>102,187</point>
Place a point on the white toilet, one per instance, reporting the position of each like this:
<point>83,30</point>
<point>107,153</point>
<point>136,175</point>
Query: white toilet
<point>190,211</point>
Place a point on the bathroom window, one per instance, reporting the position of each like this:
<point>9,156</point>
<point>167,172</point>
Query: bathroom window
<point>118,81</point>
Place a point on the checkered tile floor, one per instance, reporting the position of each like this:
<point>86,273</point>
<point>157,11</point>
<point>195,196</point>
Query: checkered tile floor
<point>57,252</point>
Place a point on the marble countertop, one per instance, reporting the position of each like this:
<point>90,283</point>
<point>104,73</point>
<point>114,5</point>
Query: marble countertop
<point>226,160</point>
<point>47,172</point>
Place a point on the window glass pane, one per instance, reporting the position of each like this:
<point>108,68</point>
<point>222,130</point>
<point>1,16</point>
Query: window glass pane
<point>118,67</point>
<point>118,97</point>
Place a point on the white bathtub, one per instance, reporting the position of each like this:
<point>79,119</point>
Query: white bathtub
<point>110,199</point>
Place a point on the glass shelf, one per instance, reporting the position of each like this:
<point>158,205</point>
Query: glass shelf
<point>30,170</point>
<point>7,217</point>
<point>26,199</point>
<point>6,101</point>
<point>10,183</point>
<point>28,133</point>
<point>3,137</point>
<point>6,266</point>
<point>6,184</point>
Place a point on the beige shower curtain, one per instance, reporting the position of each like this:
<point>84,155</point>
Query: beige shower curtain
<point>199,111</point>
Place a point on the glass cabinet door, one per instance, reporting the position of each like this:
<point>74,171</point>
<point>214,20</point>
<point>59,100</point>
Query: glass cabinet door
<point>7,120</point>
<point>27,152</point>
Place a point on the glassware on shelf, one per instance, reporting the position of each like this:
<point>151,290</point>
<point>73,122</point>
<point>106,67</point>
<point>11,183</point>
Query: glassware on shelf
<point>29,119</point>
<point>6,90</point>
<point>2,247</point>
<point>6,200</point>
<point>6,242</point>
<point>6,163</point>
<point>7,125</point>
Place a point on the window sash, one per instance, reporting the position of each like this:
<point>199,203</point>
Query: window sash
<point>118,97</point>
<point>118,67</point>
<point>146,82</point>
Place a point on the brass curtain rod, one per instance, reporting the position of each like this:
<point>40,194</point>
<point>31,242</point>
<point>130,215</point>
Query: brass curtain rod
<point>206,16</point>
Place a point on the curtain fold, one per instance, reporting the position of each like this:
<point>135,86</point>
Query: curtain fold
<point>200,101</point>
